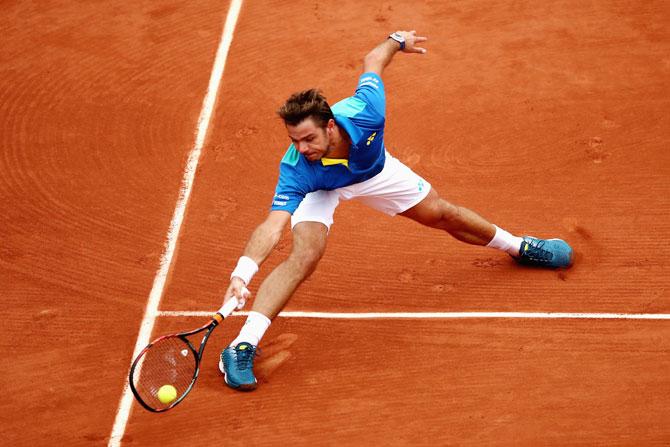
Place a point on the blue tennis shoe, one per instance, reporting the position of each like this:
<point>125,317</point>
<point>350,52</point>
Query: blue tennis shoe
<point>237,366</point>
<point>551,253</point>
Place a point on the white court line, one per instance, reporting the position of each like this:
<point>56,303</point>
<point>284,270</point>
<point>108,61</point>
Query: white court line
<point>146,327</point>
<point>436,315</point>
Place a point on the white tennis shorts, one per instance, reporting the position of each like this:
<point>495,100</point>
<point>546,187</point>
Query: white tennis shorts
<point>394,190</point>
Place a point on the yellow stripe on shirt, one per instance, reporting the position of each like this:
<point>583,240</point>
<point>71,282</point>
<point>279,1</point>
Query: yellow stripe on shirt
<point>335,161</point>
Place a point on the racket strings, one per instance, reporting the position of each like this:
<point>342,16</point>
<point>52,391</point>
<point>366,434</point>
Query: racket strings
<point>169,361</point>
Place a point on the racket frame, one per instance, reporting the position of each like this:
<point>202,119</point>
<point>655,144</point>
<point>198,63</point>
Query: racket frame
<point>217,318</point>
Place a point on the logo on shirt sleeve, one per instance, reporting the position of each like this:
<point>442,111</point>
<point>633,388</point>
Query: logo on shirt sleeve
<point>371,138</point>
<point>369,80</point>
<point>280,200</point>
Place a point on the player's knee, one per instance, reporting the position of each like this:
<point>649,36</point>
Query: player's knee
<point>309,244</point>
<point>440,214</point>
<point>306,259</point>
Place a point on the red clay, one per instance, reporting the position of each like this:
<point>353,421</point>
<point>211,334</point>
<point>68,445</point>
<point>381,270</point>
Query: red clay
<point>551,120</point>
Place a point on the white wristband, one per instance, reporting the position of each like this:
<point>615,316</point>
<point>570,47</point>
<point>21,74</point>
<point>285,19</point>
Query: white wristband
<point>245,270</point>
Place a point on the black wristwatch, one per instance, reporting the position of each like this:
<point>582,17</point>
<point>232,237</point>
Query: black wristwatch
<point>398,38</point>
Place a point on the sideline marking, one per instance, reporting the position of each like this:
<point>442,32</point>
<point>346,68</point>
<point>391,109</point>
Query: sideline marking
<point>151,311</point>
<point>434,315</point>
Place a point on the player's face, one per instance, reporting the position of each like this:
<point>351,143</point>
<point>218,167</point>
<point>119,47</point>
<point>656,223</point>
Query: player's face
<point>309,139</point>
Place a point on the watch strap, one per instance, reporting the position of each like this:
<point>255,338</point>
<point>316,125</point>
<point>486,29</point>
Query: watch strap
<point>398,38</point>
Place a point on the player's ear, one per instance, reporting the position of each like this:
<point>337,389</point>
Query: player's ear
<point>330,126</point>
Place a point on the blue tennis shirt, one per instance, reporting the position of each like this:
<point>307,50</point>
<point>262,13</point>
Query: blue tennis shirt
<point>362,116</point>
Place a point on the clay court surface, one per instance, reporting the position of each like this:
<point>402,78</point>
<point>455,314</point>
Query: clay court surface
<point>548,118</point>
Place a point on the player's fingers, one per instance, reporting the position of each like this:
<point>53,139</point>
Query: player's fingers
<point>229,293</point>
<point>419,39</point>
<point>419,50</point>
<point>242,297</point>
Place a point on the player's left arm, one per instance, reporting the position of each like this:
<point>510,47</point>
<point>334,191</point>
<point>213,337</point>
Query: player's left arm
<point>377,59</point>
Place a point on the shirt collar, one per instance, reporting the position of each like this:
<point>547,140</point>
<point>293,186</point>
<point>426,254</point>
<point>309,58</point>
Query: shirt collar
<point>352,130</point>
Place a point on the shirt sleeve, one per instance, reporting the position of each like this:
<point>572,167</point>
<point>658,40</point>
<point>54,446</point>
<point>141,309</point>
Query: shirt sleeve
<point>290,190</point>
<point>370,90</point>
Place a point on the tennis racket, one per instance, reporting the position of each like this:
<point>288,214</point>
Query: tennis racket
<point>171,362</point>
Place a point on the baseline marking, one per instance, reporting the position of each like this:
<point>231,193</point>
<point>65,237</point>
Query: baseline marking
<point>151,311</point>
<point>435,315</point>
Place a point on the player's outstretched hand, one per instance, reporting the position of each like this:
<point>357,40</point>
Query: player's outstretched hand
<point>411,41</point>
<point>238,289</point>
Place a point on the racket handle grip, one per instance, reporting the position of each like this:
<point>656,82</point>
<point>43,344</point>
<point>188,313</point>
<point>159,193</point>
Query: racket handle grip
<point>228,307</point>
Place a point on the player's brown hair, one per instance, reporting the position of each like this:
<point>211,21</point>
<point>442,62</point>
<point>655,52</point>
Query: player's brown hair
<point>304,104</point>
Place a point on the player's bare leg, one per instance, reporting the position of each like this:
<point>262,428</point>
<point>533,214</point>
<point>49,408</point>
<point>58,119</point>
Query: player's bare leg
<point>309,245</point>
<point>467,226</point>
<point>462,223</point>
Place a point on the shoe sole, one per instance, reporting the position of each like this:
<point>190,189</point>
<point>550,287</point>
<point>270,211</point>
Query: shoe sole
<point>237,387</point>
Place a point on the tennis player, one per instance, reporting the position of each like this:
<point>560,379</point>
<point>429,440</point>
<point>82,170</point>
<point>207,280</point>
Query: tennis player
<point>338,153</point>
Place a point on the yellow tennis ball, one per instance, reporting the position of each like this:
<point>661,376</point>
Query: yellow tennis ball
<point>167,393</point>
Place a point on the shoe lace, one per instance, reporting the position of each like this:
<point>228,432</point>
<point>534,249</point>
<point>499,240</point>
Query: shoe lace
<point>245,358</point>
<point>536,251</point>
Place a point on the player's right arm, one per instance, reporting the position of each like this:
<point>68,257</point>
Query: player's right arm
<point>264,238</point>
<point>290,191</point>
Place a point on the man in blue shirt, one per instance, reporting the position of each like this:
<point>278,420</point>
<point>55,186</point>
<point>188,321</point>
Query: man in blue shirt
<point>338,154</point>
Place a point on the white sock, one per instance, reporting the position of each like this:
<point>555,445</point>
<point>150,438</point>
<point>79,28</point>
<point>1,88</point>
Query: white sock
<point>506,242</point>
<point>253,330</point>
